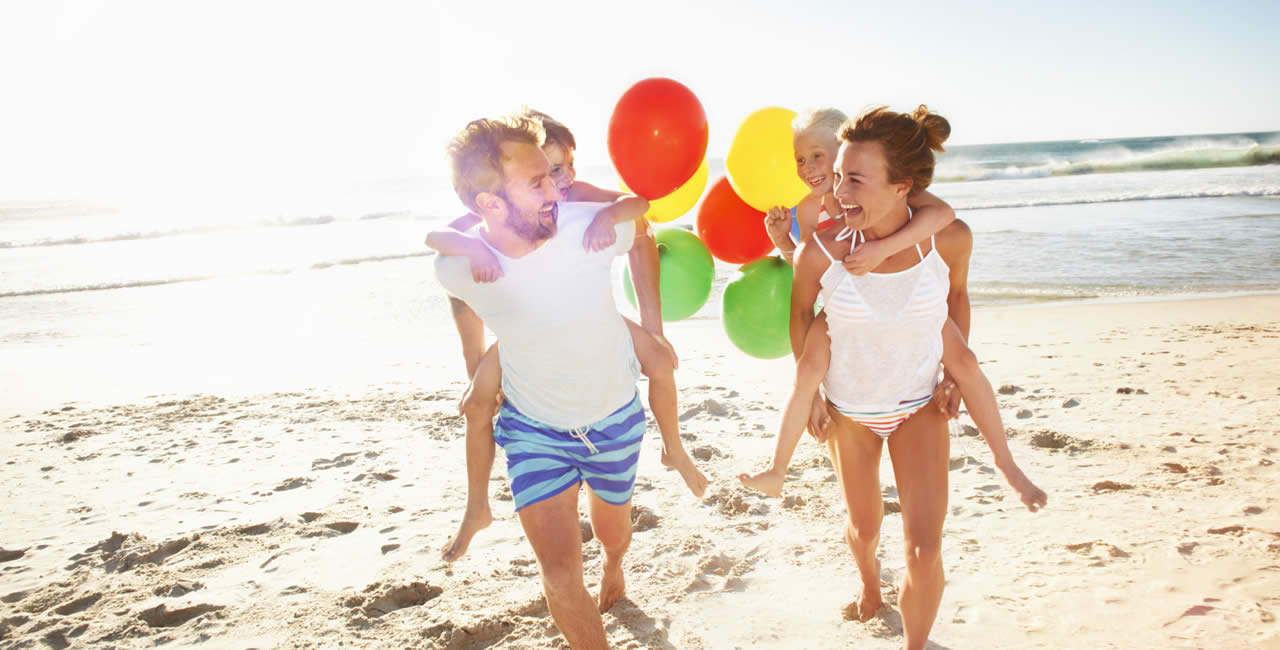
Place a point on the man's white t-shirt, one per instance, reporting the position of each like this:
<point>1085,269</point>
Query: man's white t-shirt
<point>566,354</point>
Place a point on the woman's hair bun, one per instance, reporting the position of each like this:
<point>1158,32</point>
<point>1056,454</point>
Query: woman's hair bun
<point>936,127</point>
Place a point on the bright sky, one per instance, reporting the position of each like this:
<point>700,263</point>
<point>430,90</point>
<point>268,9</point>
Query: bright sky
<point>138,95</point>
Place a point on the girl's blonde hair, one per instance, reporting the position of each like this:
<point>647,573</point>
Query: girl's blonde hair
<point>827,118</point>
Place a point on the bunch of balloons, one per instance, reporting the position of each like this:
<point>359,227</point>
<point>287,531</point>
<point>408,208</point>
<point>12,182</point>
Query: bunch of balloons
<point>658,142</point>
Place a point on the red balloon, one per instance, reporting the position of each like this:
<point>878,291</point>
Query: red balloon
<point>657,136</point>
<point>732,230</point>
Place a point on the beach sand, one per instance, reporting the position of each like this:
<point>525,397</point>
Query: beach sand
<point>313,516</point>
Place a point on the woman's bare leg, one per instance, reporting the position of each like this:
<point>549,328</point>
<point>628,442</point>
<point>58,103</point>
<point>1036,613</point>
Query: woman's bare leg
<point>855,453</point>
<point>920,451</point>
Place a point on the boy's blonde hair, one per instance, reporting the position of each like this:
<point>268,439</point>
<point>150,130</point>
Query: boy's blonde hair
<point>827,118</point>
<point>475,153</point>
<point>557,132</point>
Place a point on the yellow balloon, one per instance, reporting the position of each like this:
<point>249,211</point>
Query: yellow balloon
<point>762,163</point>
<point>677,203</point>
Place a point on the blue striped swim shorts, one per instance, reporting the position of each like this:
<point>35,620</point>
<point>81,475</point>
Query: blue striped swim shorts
<point>543,461</point>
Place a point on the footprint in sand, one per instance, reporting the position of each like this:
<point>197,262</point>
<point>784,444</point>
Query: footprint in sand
<point>292,483</point>
<point>341,460</point>
<point>78,605</point>
<point>9,556</point>
<point>1110,486</point>
<point>642,519</point>
<point>1099,551</point>
<point>1235,530</point>
<point>705,452</point>
<point>381,600</point>
<point>162,616</point>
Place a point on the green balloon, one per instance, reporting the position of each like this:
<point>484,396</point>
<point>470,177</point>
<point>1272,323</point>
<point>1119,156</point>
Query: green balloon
<point>685,272</point>
<point>757,308</point>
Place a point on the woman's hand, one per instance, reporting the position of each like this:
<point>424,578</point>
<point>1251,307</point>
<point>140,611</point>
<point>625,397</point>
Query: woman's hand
<point>946,396</point>
<point>819,419</point>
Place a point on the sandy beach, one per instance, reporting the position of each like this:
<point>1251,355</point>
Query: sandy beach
<point>313,516</point>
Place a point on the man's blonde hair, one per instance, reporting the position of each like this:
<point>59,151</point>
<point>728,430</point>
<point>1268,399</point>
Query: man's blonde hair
<point>827,118</point>
<point>475,153</point>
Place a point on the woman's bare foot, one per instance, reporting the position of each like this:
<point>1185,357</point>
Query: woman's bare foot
<point>613,584</point>
<point>475,520</point>
<point>869,602</point>
<point>769,481</point>
<point>693,477</point>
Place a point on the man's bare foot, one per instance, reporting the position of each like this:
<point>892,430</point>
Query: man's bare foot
<point>612,585</point>
<point>769,481</point>
<point>869,602</point>
<point>693,477</point>
<point>472,523</point>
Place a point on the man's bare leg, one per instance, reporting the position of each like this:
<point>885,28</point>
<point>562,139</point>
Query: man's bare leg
<point>612,526</point>
<point>855,453</point>
<point>552,529</point>
<point>478,407</point>
<point>656,364</point>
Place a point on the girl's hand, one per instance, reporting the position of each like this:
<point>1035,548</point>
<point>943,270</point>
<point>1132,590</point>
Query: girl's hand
<point>777,222</point>
<point>1031,496</point>
<point>865,257</point>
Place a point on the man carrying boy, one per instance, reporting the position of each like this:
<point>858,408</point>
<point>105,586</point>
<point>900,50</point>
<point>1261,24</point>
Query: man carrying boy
<point>569,370</point>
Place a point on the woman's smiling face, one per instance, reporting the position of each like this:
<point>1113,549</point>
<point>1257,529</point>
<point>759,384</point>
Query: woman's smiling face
<point>862,186</point>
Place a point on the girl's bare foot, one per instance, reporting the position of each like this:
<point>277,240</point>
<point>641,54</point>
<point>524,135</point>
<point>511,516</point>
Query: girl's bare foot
<point>769,481</point>
<point>475,520</point>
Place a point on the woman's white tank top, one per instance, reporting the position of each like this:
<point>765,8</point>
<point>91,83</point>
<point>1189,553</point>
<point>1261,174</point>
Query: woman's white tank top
<point>886,331</point>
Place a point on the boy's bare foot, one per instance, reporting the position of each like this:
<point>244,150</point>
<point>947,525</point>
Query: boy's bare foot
<point>869,602</point>
<point>472,523</point>
<point>612,585</point>
<point>769,481</point>
<point>693,477</point>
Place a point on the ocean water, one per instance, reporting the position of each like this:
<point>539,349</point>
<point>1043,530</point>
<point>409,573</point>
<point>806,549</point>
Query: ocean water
<point>342,274</point>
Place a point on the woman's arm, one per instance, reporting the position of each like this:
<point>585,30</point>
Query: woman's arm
<point>955,244</point>
<point>805,285</point>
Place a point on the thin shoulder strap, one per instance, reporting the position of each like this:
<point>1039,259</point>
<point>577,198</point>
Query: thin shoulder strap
<point>826,252</point>
<point>918,250</point>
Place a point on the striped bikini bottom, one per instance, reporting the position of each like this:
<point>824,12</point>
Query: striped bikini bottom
<point>884,423</point>
<point>543,461</point>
